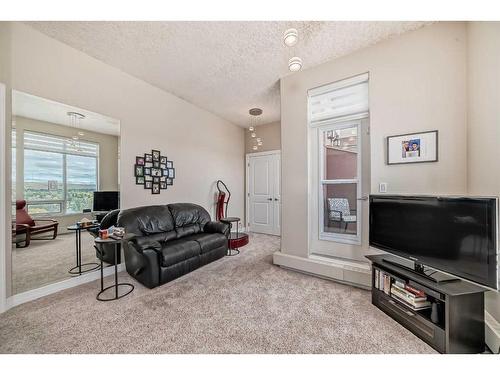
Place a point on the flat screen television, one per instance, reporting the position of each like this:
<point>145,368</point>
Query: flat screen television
<point>457,235</point>
<point>106,200</point>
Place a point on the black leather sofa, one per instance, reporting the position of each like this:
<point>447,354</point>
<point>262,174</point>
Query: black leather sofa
<point>106,252</point>
<point>170,241</point>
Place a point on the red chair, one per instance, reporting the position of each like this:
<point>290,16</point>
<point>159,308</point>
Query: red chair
<point>26,227</point>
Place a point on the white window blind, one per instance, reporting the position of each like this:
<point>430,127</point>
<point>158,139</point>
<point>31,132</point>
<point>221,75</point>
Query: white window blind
<point>51,143</point>
<point>339,99</point>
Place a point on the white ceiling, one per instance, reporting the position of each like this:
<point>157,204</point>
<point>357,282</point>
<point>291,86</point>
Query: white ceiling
<point>34,107</point>
<point>223,67</point>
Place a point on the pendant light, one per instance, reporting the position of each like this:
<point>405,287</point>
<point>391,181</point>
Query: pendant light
<point>254,119</point>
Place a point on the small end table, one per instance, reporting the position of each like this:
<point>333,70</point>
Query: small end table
<point>235,240</point>
<point>115,242</point>
<point>77,270</point>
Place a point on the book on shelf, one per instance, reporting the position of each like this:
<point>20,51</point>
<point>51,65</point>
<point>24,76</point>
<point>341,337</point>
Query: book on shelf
<point>409,295</point>
<point>417,303</point>
<point>422,306</point>
<point>417,292</point>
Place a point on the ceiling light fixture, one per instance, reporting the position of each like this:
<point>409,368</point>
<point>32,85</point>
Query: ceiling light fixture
<point>254,119</point>
<point>291,37</point>
<point>295,64</point>
<point>74,121</point>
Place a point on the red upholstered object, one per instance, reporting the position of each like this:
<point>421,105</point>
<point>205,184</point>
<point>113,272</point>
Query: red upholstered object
<point>242,240</point>
<point>22,216</point>
<point>220,205</point>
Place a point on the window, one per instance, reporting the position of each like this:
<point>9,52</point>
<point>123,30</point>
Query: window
<point>339,181</point>
<point>60,175</point>
<point>336,112</point>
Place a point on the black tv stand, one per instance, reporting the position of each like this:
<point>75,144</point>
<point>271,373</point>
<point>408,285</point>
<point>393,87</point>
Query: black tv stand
<point>454,320</point>
<point>422,270</point>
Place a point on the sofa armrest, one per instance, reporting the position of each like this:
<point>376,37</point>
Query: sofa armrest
<point>143,243</point>
<point>217,227</point>
<point>143,265</point>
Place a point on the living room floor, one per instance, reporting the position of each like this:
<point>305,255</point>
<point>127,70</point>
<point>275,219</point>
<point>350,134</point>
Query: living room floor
<point>240,304</point>
<point>45,262</point>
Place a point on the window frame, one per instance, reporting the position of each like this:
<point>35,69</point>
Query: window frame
<point>322,182</point>
<point>64,201</point>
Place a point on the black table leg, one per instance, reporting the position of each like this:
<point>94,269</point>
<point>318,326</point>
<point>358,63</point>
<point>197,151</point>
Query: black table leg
<point>76,247</point>
<point>116,284</point>
<point>116,271</point>
<point>77,270</point>
<point>102,271</point>
<point>79,234</point>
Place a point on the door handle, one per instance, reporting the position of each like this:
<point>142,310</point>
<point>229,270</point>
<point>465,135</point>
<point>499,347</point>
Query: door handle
<point>275,199</point>
<point>363,199</point>
<point>269,199</point>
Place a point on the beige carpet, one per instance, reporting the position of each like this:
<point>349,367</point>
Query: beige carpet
<point>240,304</point>
<point>45,262</point>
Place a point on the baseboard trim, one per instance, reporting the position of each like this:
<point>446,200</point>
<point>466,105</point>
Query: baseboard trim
<point>351,274</point>
<point>43,291</point>
<point>492,333</point>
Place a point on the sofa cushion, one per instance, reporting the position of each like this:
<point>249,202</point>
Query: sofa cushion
<point>208,241</point>
<point>146,220</point>
<point>188,218</point>
<point>179,250</point>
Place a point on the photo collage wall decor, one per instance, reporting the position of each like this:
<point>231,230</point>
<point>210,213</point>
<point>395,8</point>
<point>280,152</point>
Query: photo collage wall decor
<point>154,171</point>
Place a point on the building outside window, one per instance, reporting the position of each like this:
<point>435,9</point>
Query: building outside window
<point>60,174</point>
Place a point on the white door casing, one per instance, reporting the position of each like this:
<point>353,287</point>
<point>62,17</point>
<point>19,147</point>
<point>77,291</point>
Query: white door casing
<point>263,192</point>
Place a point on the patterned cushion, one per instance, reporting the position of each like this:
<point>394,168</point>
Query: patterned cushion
<point>336,206</point>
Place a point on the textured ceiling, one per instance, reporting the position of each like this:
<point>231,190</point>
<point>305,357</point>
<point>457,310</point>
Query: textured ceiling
<point>223,67</point>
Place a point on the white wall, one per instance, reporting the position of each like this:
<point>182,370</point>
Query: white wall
<point>417,83</point>
<point>204,147</point>
<point>484,119</point>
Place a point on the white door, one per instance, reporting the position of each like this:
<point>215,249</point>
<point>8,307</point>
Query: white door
<point>264,196</point>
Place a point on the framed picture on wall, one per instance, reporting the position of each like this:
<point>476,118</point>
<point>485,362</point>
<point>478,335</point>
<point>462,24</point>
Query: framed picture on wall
<point>148,184</point>
<point>148,158</point>
<point>170,164</point>
<point>139,180</point>
<point>139,160</point>
<point>139,170</point>
<point>163,185</point>
<point>156,155</point>
<point>155,189</point>
<point>163,159</point>
<point>412,148</point>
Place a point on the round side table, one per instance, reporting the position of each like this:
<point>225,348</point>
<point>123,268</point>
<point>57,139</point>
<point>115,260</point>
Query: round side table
<point>235,240</point>
<point>115,242</point>
<point>77,270</point>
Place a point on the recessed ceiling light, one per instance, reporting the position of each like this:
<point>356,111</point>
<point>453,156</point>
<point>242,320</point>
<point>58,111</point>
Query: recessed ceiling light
<point>295,64</point>
<point>290,37</point>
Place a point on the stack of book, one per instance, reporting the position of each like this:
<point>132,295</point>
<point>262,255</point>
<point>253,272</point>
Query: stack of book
<point>414,298</point>
<point>400,291</point>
